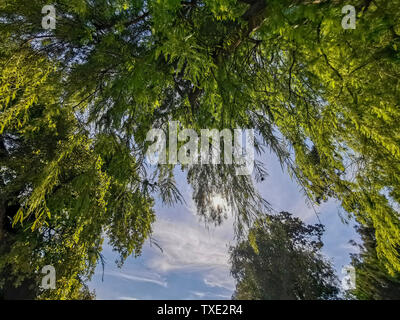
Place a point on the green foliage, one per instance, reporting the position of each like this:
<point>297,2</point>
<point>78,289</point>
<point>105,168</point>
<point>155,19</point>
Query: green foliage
<point>82,98</point>
<point>373,282</point>
<point>281,260</point>
<point>62,192</point>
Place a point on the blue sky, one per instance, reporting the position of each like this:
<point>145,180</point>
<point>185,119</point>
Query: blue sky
<point>194,262</point>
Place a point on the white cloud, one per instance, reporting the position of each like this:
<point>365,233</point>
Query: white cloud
<point>141,277</point>
<point>190,247</point>
<point>220,280</point>
<point>202,295</point>
<point>199,294</point>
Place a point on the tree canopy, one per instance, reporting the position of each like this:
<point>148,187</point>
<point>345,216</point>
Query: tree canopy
<point>77,102</point>
<point>281,260</point>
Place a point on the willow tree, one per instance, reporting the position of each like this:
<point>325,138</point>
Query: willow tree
<point>61,192</point>
<point>323,99</point>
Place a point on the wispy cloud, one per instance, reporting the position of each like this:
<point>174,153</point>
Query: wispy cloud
<point>202,295</point>
<point>190,247</point>
<point>219,280</point>
<point>151,278</point>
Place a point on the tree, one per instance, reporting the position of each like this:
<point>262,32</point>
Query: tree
<point>281,260</point>
<point>62,193</point>
<point>373,281</point>
<point>316,95</point>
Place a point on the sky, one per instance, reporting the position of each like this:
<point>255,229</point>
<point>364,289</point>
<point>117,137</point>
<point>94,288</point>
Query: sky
<point>194,260</point>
